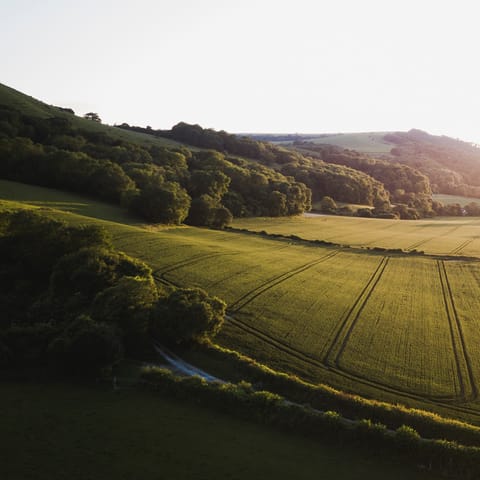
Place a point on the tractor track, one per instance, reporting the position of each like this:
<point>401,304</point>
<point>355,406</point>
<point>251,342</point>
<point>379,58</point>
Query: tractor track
<point>345,329</point>
<point>274,281</point>
<point>446,401</point>
<point>458,339</point>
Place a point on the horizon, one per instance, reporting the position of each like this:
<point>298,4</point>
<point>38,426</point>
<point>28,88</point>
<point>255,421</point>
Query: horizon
<point>270,67</point>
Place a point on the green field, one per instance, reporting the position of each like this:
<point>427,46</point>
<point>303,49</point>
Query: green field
<point>393,326</point>
<point>366,142</point>
<point>449,199</point>
<point>74,432</point>
<point>457,236</point>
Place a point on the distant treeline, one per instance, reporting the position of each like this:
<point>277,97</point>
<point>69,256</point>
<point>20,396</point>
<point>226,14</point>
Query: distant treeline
<point>340,182</point>
<point>160,184</point>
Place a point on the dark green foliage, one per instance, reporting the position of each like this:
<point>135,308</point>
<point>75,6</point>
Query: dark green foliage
<point>30,246</point>
<point>26,345</point>
<point>128,304</point>
<point>188,315</point>
<point>163,203</point>
<point>85,347</point>
<point>341,183</point>
<point>78,277</point>
<point>66,288</point>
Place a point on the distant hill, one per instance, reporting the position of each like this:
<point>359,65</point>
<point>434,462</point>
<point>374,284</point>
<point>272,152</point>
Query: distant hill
<point>452,165</point>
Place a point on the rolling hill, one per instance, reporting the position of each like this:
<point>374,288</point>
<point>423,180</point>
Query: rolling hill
<point>452,165</point>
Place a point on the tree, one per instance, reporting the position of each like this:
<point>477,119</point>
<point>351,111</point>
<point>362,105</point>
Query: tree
<point>328,205</point>
<point>277,203</point>
<point>93,116</point>
<point>187,315</point>
<point>167,202</point>
<point>127,304</point>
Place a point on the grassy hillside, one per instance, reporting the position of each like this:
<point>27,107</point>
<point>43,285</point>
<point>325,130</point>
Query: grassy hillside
<point>311,309</point>
<point>31,106</point>
<point>452,166</point>
<point>55,431</point>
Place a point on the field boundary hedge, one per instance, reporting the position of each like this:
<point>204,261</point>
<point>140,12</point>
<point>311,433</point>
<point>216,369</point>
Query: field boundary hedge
<point>440,456</point>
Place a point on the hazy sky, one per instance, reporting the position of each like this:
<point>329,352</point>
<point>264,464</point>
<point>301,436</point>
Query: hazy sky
<point>252,65</point>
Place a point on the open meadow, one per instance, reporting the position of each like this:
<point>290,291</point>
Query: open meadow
<point>78,432</point>
<point>384,324</point>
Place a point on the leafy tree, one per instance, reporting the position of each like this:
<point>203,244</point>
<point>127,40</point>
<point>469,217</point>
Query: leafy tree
<point>328,205</point>
<point>188,315</point>
<point>277,203</point>
<point>77,278</point>
<point>127,304</point>
<point>221,217</point>
<point>92,116</point>
<point>163,203</point>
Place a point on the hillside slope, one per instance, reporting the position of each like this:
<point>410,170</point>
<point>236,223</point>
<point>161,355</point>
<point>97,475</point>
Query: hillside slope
<point>157,179</point>
<point>452,165</point>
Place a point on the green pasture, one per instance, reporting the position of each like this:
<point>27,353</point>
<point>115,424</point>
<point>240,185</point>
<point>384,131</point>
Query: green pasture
<point>439,236</point>
<point>84,432</point>
<point>449,199</point>
<point>366,142</point>
<point>393,326</point>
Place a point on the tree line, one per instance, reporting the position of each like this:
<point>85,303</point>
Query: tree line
<point>323,179</point>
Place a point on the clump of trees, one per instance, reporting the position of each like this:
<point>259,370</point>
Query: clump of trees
<point>70,301</point>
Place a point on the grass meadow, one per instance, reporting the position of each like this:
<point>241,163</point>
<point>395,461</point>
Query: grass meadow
<point>61,432</point>
<point>386,325</point>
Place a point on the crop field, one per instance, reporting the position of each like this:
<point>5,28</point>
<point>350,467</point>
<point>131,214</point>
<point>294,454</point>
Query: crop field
<point>385,324</point>
<point>458,236</point>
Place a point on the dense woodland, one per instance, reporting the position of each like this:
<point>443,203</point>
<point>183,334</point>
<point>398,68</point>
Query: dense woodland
<point>409,189</point>
<point>323,179</point>
<point>160,184</point>
<point>83,305</point>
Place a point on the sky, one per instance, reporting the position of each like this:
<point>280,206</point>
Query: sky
<point>306,66</point>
